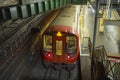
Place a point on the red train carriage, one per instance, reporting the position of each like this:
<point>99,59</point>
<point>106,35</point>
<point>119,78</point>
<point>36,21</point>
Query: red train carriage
<point>61,39</point>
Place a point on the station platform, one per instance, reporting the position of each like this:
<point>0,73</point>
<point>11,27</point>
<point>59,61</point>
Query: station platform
<point>110,34</point>
<point>109,37</point>
<point>112,14</point>
<point>85,55</point>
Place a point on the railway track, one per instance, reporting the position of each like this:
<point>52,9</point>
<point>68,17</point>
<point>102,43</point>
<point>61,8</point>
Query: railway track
<point>14,40</point>
<point>36,71</point>
<point>40,73</point>
<point>29,67</point>
<point>15,34</point>
<point>51,74</point>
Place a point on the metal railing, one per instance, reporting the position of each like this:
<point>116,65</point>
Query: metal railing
<point>12,44</point>
<point>113,67</point>
<point>105,66</point>
<point>111,64</point>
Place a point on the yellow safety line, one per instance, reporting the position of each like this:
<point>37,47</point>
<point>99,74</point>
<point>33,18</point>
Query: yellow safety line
<point>101,25</point>
<point>81,26</point>
<point>84,33</point>
<point>116,15</point>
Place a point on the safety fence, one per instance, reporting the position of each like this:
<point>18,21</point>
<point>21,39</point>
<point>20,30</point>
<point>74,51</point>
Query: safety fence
<point>104,66</point>
<point>110,63</point>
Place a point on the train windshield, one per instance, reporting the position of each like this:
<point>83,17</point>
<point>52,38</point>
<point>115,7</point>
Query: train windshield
<point>71,44</point>
<point>47,41</point>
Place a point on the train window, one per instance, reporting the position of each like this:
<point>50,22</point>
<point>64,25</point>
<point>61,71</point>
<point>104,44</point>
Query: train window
<point>47,41</point>
<point>71,44</point>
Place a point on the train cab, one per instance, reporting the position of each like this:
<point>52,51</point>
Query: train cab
<point>61,40</point>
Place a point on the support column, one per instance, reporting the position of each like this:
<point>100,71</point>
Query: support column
<point>94,38</point>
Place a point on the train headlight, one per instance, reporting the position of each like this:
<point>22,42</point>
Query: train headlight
<point>70,56</point>
<point>47,54</point>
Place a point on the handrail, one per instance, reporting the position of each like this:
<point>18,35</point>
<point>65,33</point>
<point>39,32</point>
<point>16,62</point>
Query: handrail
<point>114,66</point>
<point>110,62</point>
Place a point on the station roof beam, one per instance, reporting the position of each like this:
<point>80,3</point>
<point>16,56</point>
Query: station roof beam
<point>14,9</point>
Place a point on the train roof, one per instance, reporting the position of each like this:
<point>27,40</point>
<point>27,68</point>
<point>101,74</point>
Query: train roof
<point>67,17</point>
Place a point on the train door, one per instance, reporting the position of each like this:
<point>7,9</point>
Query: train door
<point>59,47</point>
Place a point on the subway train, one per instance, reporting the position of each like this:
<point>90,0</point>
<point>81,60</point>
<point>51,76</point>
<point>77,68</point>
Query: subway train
<point>61,39</point>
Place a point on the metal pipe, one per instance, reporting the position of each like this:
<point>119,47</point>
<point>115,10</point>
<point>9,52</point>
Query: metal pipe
<point>94,38</point>
<point>108,8</point>
<point>95,24</point>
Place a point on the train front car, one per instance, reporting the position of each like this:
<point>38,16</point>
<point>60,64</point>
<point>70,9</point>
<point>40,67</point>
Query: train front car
<point>61,39</point>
